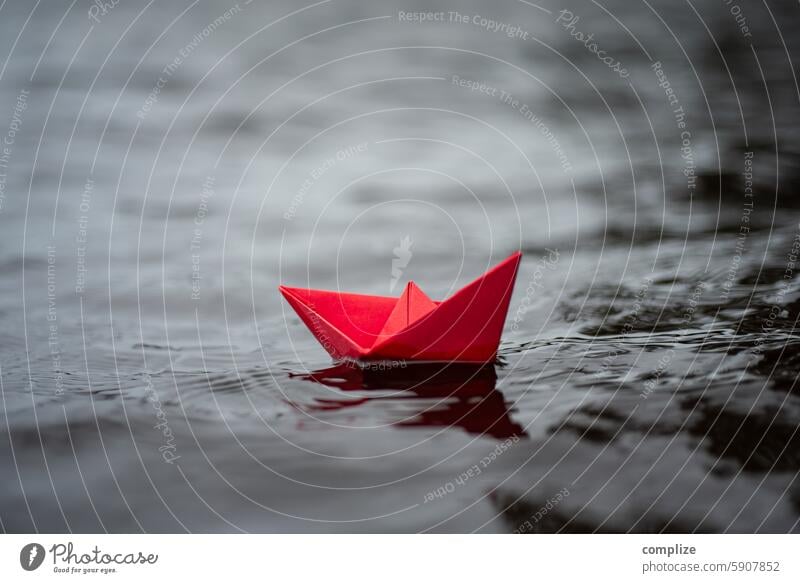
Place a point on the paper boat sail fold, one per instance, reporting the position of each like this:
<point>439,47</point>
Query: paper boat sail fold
<point>466,327</point>
<point>410,307</point>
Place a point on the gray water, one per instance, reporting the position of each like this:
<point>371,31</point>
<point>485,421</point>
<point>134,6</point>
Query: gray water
<point>168,165</point>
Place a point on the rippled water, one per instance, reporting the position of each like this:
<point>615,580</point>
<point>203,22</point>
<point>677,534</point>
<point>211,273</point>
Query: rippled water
<point>169,166</point>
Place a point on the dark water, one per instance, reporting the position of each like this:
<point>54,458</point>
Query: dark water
<point>170,164</point>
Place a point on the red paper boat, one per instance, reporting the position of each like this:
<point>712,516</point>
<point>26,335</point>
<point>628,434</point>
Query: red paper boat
<point>466,327</point>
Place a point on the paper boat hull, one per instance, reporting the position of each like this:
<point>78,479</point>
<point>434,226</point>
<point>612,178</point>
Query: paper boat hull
<point>465,327</point>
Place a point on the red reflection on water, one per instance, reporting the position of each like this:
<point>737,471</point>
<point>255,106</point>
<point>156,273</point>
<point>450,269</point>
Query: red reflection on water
<point>455,395</point>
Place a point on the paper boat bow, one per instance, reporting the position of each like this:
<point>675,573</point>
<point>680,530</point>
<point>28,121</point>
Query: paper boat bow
<point>466,327</point>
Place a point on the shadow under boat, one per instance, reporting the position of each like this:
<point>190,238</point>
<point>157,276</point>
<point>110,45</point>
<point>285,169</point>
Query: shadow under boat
<point>456,395</point>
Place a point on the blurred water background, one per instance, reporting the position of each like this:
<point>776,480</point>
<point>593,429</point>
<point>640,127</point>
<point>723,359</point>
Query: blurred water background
<point>166,165</point>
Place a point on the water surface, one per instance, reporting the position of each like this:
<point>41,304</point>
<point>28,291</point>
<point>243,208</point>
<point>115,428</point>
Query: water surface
<point>171,165</point>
